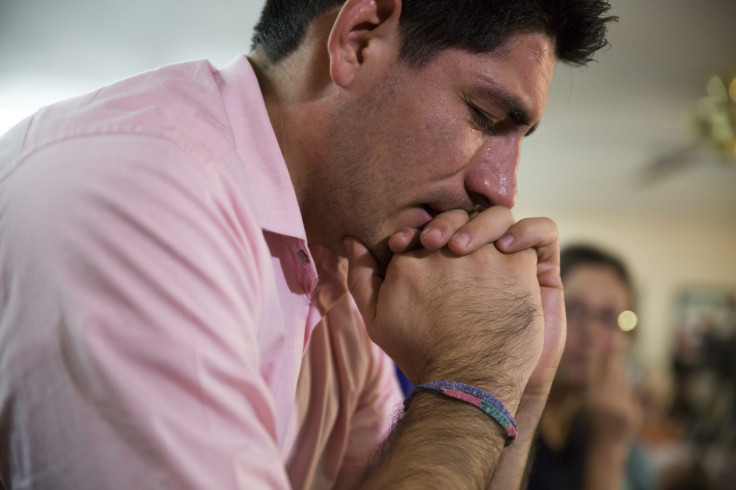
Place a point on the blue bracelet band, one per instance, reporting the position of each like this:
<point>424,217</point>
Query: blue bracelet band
<point>488,403</point>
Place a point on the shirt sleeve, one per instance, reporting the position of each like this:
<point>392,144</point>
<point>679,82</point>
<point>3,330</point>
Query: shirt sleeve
<point>128,324</point>
<point>347,393</point>
<point>376,412</point>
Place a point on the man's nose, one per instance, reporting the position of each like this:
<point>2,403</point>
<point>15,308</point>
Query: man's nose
<point>492,171</point>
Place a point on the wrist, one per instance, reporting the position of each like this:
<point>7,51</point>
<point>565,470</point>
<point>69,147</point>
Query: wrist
<point>507,391</point>
<point>444,441</point>
<point>476,397</point>
<point>530,411</point>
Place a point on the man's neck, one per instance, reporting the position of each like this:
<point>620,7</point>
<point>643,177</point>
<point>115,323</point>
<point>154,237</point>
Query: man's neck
<point>297,102</point>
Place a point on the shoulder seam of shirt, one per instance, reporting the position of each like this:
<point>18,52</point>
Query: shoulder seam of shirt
<point>67,138</point>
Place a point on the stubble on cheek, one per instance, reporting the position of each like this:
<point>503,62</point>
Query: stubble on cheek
<point>386,152</point>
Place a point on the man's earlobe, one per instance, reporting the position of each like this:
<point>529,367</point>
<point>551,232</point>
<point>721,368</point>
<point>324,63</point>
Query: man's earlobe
<point>359,28</point>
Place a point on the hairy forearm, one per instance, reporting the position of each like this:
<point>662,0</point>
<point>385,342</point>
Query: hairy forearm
<point>439,443</point>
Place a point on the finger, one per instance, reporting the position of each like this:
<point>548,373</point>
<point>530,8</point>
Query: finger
<point>621,341</point>
<point>614,374</point>
<point>555,333</point>
<point>364,280</point>
<point>606,341</point>
<point>595,369</point>
<point>485,227</point>
<point>608,360</point>
<point>403,240</point>
<point>438,232</point>
<point>617,367</point>
<point>601,360</point>
<point>542,235</point>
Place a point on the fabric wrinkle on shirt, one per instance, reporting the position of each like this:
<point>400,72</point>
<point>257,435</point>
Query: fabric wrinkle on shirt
<point>157,299</point>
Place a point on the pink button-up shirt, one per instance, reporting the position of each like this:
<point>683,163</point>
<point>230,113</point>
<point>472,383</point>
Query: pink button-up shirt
<point>157,299</point>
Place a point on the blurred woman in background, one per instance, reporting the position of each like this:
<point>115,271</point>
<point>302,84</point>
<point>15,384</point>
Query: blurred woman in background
<point>587,436</point>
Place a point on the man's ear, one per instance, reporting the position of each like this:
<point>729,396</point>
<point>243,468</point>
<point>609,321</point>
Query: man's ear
<point>365,31</point>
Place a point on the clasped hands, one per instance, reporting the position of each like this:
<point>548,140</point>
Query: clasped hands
<point>480,301</point>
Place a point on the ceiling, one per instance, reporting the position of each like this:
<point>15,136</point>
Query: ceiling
<point>604,123</point>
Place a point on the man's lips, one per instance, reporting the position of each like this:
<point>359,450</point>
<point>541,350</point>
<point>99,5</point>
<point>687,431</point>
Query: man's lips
<point>424,215</point>
<point>416,218</point>
<point>431,210</point>
<point>428,213</point>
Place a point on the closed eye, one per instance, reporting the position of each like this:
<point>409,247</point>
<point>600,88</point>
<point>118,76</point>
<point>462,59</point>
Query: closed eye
<point>481,122</point>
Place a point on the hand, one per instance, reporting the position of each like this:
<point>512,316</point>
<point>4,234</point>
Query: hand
<point>488,226</point>
<point>463,234</point>
<point>613,414</point>
<point>473,318</point>
<point>541,234</point>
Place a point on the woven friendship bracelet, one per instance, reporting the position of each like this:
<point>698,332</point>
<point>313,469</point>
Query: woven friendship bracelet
<point>488,403</point>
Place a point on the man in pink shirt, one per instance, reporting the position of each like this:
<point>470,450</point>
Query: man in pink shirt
<point>193,262</point>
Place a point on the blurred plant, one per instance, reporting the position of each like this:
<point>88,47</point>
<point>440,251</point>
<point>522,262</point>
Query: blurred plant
<point>714,116</point>
<point>712,121</point>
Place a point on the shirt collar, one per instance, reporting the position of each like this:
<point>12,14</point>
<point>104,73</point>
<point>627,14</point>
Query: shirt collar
<point>273,196</point>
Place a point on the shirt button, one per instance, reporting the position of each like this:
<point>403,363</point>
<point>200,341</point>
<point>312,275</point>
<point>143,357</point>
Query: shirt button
<point>303,257</point>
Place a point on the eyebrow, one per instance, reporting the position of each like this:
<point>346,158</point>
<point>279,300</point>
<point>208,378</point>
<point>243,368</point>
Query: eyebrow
<point>518,112</point>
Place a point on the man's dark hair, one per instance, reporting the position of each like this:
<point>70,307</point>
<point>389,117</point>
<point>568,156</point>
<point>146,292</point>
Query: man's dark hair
<point>578,27</point>
<point>574,256</point>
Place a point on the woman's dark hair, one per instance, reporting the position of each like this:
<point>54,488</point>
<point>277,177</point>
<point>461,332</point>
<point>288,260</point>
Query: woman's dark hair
<point>580,255</point>
<point>578,27</point>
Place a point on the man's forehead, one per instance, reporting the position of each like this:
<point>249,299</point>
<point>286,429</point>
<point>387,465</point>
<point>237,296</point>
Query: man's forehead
<point>518,80</point>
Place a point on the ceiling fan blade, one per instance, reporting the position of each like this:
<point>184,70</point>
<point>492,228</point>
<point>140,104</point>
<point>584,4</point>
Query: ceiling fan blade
<point>670,163</point>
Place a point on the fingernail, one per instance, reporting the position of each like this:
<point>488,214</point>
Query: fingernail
<point>432,231</point>
<point>461,239</point>
<point>506,241</point>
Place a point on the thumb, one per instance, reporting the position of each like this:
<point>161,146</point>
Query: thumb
<point>597,367</point>
<point>555,332</point>
<point>363,279</point>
